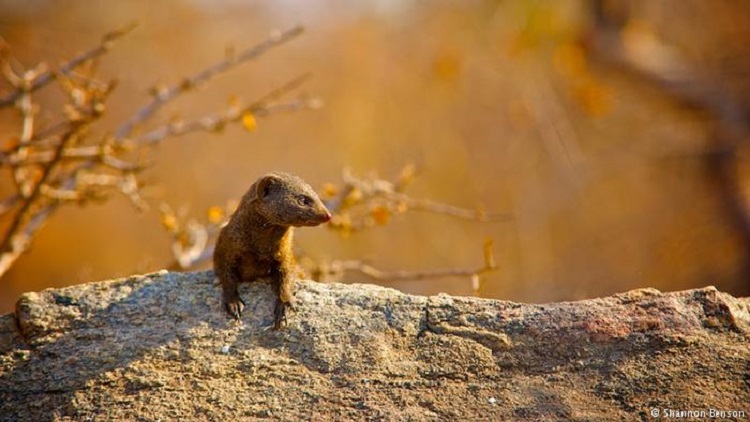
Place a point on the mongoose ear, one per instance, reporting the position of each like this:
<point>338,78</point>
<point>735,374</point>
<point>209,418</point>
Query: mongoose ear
<point>265,184</point>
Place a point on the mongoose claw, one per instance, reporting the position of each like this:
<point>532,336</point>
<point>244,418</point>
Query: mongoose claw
<point>234,307</point>
<point>279,314</point>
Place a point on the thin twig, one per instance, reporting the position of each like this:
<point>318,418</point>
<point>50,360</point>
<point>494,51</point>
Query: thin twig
<point>554,126</point>
<point>362,203</point>
<point>334,270</point>
<point>19,243</point>
<point>48,76</point>
<point>30,216</point>
<point>166,95</point>
<point>14,239</point>
<point>41,138</point>
<point>94,153</point>
<point>400,275</point>
<point>182,263</point>
<point>217,121</point>
<point>428,205</point>
<point>8,203</point>
<point>488,266</point>
<point>27,132</point>
<point>56,165</point>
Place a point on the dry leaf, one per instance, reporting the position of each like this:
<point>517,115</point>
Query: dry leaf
<point>169,221</point>
<point>381,214</point>
<point>330,190</point>
<point>354,197</point>
<point>249,122</point>
<point>215,215</point>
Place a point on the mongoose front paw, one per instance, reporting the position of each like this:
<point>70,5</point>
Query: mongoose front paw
<point>234,307</point>
<point>279,313</point>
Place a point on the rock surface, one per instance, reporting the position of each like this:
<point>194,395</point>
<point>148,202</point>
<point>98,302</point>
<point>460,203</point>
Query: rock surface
<point>159,347</point>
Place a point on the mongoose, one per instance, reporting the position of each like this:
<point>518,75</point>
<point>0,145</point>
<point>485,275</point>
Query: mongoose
<point>257,241</point>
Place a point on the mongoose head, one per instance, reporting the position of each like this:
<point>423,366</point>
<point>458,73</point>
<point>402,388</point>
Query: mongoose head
<point>286,200</point>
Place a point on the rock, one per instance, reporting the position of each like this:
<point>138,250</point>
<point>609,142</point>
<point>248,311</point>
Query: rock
<point>160,347</point>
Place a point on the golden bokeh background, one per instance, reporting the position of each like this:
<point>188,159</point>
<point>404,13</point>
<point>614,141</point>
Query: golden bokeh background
<point>496,102</point>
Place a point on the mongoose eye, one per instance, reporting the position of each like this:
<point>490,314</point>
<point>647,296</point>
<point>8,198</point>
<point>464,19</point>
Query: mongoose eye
<point>305,201</point>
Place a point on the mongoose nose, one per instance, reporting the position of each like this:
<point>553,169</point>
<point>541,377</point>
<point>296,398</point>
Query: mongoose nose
<point>327,217</point>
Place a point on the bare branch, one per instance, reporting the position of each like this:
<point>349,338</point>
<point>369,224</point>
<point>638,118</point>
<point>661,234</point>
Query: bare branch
<point>25,106</point>
<point>14,246</point>
<point>164,96</point>
<point>8,203</point>
<point>16,239</point>
<point>335,270</point>
<point>48,76</point>
<point>381,275</point>
<point>95,153</point>
<point>188,256</point>
<point>363,203</point>
<point>428,205</point>
<point>46,137</point>
<point>217,121</point>
<point>37,194</point>
<point>63,163</point>
<point>378,197</point>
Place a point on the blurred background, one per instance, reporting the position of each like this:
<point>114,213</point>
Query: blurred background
<point>614,132</point>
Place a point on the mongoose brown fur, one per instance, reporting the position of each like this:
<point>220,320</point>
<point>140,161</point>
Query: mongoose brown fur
<point>257,241</point>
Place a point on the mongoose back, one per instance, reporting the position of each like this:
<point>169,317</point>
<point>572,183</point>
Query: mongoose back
<point>257,241</point>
